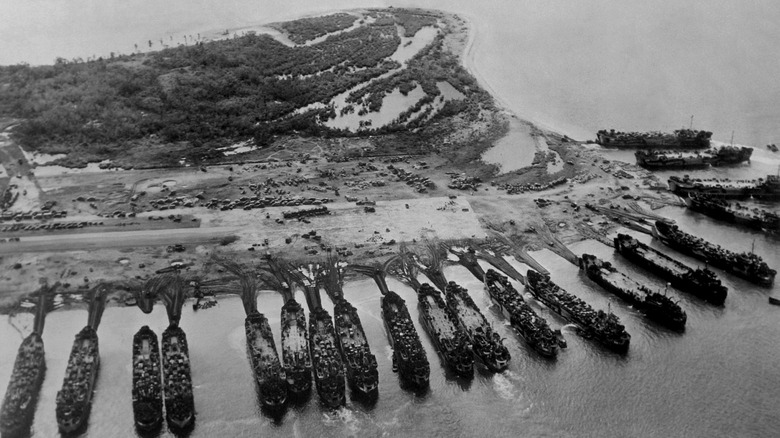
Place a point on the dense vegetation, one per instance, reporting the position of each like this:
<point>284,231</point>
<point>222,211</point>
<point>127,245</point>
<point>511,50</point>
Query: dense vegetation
<point>307,29</point>
<point>195,99</point>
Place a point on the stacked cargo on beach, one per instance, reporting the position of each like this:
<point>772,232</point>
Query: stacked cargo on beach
<point>533,328</point>
<point>747,265</point>
<point>681,138</point>
<point>656,306</point>
<point>700,282</point>
<point>602,326</point>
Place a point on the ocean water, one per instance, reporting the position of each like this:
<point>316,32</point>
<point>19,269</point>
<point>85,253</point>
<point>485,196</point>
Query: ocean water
<point>573,66</point>
<point>569,65</point>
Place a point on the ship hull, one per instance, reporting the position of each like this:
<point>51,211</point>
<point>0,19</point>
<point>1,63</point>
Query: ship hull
<point>408,355</point>
<point>765,279</point>
<point>721,210</point>
<point>361,364</point>
<point>636,298</point>
<point>449,340</point>
<point>758,189</point>
<point>147,378</point>
<point>683,139</point>
<point>17,412</point>
<point>619,345</point>
<point>177,380</point>
<point>524,330</point>
<point>327,363</point>
<point>295,351</point>
<point>74,404</point>
<point>266,366</point>
<point>485,344</point>
<point>711,295</point>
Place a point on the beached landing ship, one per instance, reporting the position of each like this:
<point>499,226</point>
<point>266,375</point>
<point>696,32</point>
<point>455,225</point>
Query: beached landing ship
<point>326,359</point>
<point>21,396</point>
<point>725,155</point>
<point>147,381</point>
<point>746,265</point>
<point>361,364</point>
<point>450,341</point>
<point>716,208</point>
<point>327,363</point>
<point>74,400</point>
<point>768,188</point>
<point>179,400</point>
<point>295,348</point>
<point>177,375</point>
<point>261,349</point>
<point>604,327</point>
<point>681,138</point>
<point>485,343</point>
<point>656,306</point>
<point>530,326</point>
<point>700,282</point>
<point>362,372</point>
<point>409,357</point>
<point>268,370</point>
<point>408,354</point>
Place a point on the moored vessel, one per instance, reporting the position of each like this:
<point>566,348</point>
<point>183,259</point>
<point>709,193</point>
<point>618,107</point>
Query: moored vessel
<point>177,378</point>
<point>147,381</point>
<point>409,358</point>
<point>327,364</point>
<point>681,138</point>
<point>736,213</point>
<point>295,349</point>
<point>747,265</point>
<point>360,363</point>
<point>702,283</point>
<point>486,344</point>
<point>21,395</point>
<point>531,327</point>
<point>605,327</point>
<point>450,341</point>
<point>266,366</point>
<point>175,356</point>
<point>761,188</point>
<point>74,399</point>
<point>654,305</point>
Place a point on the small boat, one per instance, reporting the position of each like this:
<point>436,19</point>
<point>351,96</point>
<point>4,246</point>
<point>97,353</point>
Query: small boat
<point>775,301</point>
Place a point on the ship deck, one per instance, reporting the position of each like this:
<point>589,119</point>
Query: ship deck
<point>440,320</point>
<point>622,281</point>
<point>469,316</point>
<point>661,260</point>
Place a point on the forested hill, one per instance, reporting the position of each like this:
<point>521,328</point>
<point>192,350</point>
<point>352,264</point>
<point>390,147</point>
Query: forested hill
<point>209,95</point>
